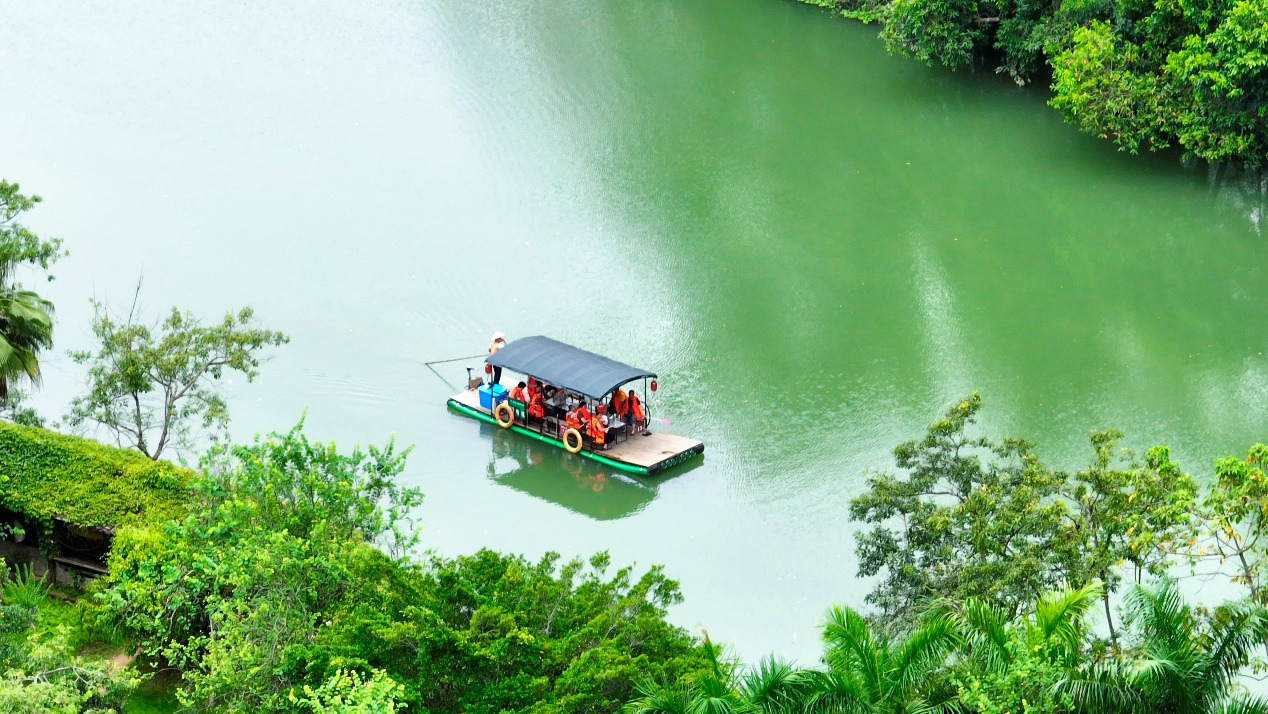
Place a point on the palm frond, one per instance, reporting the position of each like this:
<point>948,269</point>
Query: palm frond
<point>1244,705</point>
<point>1105,689</point>
<point>1061,616</point>
<point>924,650</point>
<point>775,686</point>
<point>833,693</point>
<point>654,698</point>
<point>851,647</point>
<point>1235,631</point>
<point>983,628</point>
<point>1161,615</point>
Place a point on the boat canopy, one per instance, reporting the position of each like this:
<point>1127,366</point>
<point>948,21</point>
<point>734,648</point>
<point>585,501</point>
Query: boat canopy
<point>565,366</point>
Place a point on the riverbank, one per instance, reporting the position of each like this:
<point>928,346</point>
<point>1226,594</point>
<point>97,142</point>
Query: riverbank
<point>1195,83</point>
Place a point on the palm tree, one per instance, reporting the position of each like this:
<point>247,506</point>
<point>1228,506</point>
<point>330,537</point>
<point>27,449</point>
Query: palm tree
<point>870,672</point>
<point>26,328</point>
<point>1015,663</point>
<point>26,323</point>
<point>772,687</point>
<point>1187,663</point>
<point>1056,626</point>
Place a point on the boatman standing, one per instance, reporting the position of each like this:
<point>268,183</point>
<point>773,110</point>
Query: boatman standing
<point>499,341</point>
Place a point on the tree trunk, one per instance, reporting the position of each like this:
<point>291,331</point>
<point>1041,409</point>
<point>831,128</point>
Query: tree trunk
<point>1105,596</point>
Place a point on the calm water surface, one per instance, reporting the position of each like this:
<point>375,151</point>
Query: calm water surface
<point>817,245</point>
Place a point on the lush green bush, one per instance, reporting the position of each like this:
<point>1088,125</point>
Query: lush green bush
<point>282,579</point>
<point>40,669</point>
<point>44,475</point>
<point>488,632</point>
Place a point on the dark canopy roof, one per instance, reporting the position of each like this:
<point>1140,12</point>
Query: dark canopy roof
<point>565,366</point>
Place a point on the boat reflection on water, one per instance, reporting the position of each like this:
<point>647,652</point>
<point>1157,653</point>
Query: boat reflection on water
<point>578,484</point>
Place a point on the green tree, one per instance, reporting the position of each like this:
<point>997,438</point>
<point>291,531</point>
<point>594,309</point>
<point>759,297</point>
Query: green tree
<point>149,386</point>
<point>1226,72</point>
<point>1236,513</point>
<point>279,534</point>
<point>487,633</point>
<point>871,671</point>
<point>943,30</point>
<point>970,518</point>
<point>1101,85</point>
<point>1138,516</point>
<point>292,566</point>
<point>14,408</point>
<point>983,519</point>
<point>1185,661</point>
<point>26,322</point>
<point>1141,75</point>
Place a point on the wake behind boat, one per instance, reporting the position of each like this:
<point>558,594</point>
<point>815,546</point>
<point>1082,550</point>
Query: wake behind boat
<point>576,400</point>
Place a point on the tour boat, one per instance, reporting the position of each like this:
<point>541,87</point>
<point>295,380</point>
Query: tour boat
<point>574,372</point>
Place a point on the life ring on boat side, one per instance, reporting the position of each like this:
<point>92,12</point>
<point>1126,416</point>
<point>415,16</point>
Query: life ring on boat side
<point>568,436</point>
<point>503,415</point>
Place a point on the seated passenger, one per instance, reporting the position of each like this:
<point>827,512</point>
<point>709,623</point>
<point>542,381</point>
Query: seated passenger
<point>571,421</point>
<point>532,390</point>
<point>637,417</point>
<point>597,428</point>
<point>583,412</point>
<point>518,393</point>
<point>536,408</point>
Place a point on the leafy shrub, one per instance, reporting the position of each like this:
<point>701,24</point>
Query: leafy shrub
<point>350,693</point>
<point>22,589</point>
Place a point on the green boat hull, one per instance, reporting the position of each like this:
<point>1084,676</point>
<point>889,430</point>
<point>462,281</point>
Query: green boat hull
<point>619,465</point>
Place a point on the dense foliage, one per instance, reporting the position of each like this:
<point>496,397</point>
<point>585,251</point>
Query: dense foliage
<point>270,592</point>
<point>990,567</point>
<point>971,517</point>
<point>45,475</point>
<point>40,672</point>
<point>970,657</point>
<point>1141,74</point>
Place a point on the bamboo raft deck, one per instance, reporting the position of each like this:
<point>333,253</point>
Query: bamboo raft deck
<point>644,455</point>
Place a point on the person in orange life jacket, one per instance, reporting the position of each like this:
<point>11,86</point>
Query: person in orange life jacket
<point>582,412</point>
<point>573,420</point>
<point>635,409</point>
<point>518,393</point>
<point>597,427</point>
<point>536,405</point>
<point>620,405</point>
<point>499,341</point>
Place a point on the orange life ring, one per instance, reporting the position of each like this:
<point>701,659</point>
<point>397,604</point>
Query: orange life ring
<point>503,415</point>
<point>567,445</point>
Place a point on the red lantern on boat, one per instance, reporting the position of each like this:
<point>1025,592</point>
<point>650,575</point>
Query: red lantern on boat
<point>488,368</point>
<point>653,385</point>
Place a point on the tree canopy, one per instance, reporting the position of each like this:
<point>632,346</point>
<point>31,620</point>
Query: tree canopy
<point>152,386</point>
<point>1138,74</point>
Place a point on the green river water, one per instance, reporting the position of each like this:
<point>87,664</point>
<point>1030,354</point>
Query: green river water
<point>818,246</point>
